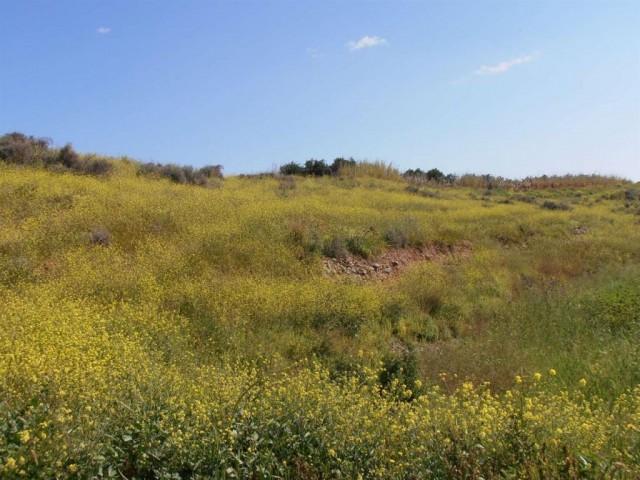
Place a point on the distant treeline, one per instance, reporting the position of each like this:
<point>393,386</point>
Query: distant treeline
<point>351,168</point>
<point>317,168</point>
<point>19,149</point>
<point>346,166</point>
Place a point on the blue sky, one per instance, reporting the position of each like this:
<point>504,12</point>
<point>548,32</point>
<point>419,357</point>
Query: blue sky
<point>507,88</point>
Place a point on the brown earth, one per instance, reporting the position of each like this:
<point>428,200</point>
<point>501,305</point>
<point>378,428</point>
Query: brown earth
<point>392,261</point>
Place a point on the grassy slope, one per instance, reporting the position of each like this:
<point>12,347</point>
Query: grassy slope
<point>179,336</point>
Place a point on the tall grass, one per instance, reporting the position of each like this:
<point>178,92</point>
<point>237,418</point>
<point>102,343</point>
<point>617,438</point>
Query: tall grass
<point>367,169</point>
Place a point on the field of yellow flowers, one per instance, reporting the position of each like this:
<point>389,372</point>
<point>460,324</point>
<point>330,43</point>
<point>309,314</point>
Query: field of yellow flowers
<point>155,330</point>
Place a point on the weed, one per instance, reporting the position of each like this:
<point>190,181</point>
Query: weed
<point>286,184</point>
<point>397,237</point>
<point>335,247</point>
<point>101,236</point>
<point>400,370</point>
<point>551,205</point>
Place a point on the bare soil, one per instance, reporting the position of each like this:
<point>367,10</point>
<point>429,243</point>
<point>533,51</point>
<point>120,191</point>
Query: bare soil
<point>392,261</point>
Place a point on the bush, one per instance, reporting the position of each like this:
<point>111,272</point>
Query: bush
<point>291,168</point>
<point>617,308</point>
<point>434,176</point>
<point>22,150</point>
<point>211,171</point>
<point>204,176</point>
<point>335,248</point>
<point>69,158</point>
<point>429,331</point>
<point>360,245</point>
<point>316,168</point>
<point>101,236</point>
<point>97,166</point>
<point>400,370</point>
<point>397,237</point>
<point>340,163</point>
<point>174,173</point>
<point>549,205</point>
<point>524,198</point>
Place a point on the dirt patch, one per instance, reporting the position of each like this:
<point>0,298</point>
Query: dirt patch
<point>392,261</point>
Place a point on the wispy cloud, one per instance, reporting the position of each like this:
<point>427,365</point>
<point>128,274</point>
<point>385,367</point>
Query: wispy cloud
<point>366,42</point>
<point>502,67</point>
<point>103,30</point>
<point>316,53</point>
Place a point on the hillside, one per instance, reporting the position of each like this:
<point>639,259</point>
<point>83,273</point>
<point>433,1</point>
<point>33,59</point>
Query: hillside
<point>361,324</point>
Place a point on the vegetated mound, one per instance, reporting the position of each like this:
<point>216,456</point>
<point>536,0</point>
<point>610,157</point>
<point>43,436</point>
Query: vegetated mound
<point>156,330</point>
<point>392,261</point>
<point>22,150</point>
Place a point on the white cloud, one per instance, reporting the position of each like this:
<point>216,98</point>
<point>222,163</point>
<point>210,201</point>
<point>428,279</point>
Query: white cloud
<point>316,53</point>
<point>103,30</point>
<point>366,42</point>
<point>504,66</point>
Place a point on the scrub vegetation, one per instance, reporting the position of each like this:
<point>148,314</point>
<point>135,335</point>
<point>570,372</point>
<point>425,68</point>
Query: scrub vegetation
<point>152,328</point>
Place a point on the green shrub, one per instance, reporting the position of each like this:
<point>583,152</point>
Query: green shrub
<point>524,198</point>
<point>434,176</point>
<point>335,247</point>
<point>291,168</point>
<point>360,245</point>
<point>316,168</point>
<point>341,163</point>
<point>550,205</point>
<point>400,370</point>
<point>617,308</point>
<point>429,331</point>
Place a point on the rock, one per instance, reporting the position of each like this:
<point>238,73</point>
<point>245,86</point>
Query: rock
<point>394,263</point>
<point>387,270</point>
<point>375,266</point>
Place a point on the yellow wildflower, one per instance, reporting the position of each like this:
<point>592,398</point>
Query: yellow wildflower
<point>24,436</point>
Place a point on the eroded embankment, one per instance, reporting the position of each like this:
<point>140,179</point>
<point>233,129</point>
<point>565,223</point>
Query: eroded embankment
<point>392,261</point>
